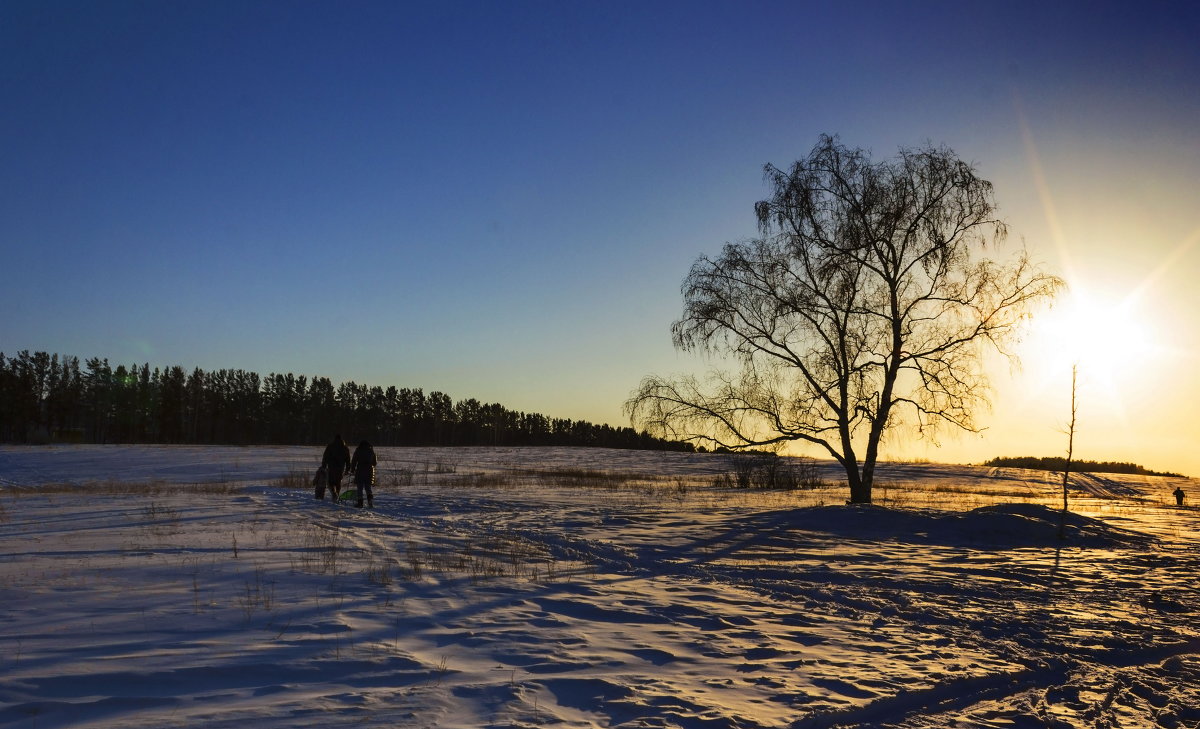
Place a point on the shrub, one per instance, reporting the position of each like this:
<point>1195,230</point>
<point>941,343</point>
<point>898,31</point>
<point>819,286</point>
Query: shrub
<point>769,471</point>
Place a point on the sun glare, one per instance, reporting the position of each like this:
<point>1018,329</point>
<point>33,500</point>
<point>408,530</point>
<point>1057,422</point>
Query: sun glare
<point>1109,339</point>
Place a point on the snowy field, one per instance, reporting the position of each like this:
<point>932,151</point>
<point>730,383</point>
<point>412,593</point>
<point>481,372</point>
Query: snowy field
<point>205,587</point>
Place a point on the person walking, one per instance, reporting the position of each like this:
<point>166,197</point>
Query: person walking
<point>362,466</point>
<point>337,455</point>
<point>1178,496</point>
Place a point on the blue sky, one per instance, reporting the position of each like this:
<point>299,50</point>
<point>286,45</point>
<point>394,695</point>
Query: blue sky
<point>500,199</point>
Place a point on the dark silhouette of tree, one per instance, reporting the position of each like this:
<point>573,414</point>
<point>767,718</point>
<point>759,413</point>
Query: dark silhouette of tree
<point>64,399</point>
<point>172,400</point>
<point>23,396</point>
<point>98,400</point>
<point>322,409</point>
<point>1058,463</point>
<point>1062,519</point>
<point>46,397</point>
<point>863,303</point>
<point>10,420</point>
<point>195,413</point>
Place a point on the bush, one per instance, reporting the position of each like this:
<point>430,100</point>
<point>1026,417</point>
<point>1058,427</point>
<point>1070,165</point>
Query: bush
<point>769,471</point>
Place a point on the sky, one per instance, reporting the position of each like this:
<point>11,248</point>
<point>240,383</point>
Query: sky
<point>500,200</point>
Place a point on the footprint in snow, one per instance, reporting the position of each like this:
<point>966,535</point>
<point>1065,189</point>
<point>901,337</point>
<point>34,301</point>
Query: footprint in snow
<point>844,688</point>
<point>655,656</point>
<point>585,693</point>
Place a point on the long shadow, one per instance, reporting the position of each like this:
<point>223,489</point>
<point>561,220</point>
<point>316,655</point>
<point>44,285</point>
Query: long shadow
<point>987,528</point>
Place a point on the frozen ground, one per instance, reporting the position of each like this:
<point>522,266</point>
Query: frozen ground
<point>521,588</point>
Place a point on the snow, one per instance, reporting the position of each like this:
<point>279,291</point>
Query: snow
<point>150,586</point>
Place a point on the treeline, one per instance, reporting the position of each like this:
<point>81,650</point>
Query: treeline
<point>51,398</point>
<point>1058,463</point>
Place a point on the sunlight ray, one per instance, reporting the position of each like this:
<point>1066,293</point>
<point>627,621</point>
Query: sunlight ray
<point>1168,262</point>
<point>1043,188</point>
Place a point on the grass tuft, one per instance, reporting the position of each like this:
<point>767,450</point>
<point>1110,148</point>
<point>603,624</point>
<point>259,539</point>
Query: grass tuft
<point>132,488</point>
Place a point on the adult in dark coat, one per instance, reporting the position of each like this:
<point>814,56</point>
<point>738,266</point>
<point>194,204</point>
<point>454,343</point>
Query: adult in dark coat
<point>337,455</point>
<point>362,466</point>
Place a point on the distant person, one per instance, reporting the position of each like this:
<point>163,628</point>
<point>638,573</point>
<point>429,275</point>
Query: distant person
<point>362,466</point>
<point>337,455</point>
<point>1178,496</point>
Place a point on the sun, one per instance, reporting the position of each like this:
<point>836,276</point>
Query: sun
<point>1109,338</point>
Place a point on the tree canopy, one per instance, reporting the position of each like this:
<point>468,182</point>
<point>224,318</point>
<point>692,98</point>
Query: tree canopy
<point>864,301</point>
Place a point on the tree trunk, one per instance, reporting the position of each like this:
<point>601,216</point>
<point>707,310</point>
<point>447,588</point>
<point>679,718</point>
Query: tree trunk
<point>860,494</point>
<point>1062,519</point>
<point>860,485</point>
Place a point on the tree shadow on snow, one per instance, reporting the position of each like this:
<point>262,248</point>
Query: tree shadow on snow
<point>991,527</point>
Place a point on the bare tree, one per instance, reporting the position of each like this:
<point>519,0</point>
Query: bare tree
<point>1062,519</point>
<point>863,303</point>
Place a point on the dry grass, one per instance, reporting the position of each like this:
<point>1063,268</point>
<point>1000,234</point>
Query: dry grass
<point>479,559</point>
<point>321,549</point>
<point>482,480</point>
<point>578,478</point>
<point>395,478</point>
<point>590,478</point>
<point>378,572</point>
<point>294,479</point>
<point>120,488</point>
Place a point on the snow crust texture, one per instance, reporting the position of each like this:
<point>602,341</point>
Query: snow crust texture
<point>205,587</point>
